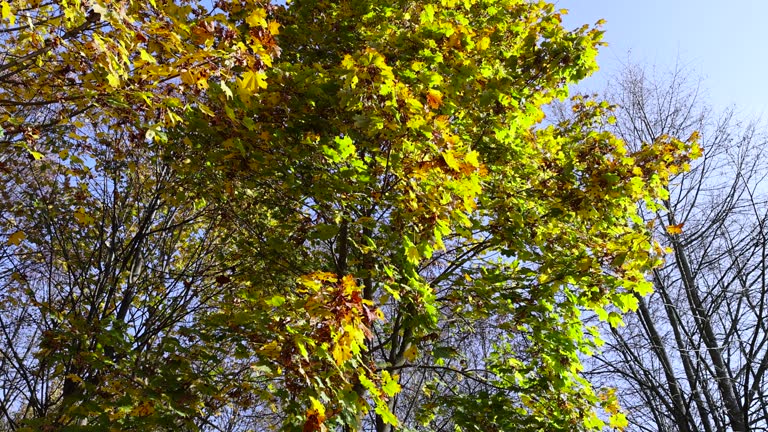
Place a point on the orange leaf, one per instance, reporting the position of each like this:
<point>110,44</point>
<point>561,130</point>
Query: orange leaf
<point>675,229</point>
<point>315,416</point>
<point>434,98</point>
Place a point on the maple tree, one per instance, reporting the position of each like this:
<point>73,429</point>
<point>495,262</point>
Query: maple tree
<point>323,203</point>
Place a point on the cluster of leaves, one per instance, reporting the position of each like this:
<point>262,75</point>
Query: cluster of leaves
<point>314,216</point>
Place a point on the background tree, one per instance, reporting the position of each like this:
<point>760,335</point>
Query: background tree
<point>107,259</point>
<point>693,356</point>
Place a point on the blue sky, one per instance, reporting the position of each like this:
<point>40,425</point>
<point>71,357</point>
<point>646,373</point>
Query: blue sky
<point>725,42</point>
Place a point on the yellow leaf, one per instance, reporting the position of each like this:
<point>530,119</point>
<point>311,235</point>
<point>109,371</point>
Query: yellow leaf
<point>257,19</point>
<point>147,57</point>
<point>484,43</point>
<point>349,284</point>
<point>450,159</point>
<point>675,229</point>
<point>113,80</point>
<point>274,27</point>
<point>472,159</point>
<point>82,217</point>
<point>644,288</point>
<point>251,81</point>
<point>187,77</point>
<point>315,416</point>
<point>5,12</point>
<point>271,350</point>
<point>411,353</point>
<point>619,421</point>
<point>143,409</point>
<point>317,407</point>
<point>227,91</point>
<point>206,110</point>
<point>413,254</point>
<point>16,238</point>
<point>341,353</point>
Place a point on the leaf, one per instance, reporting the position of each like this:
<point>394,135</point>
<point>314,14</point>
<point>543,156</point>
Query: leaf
<point>389,386</point>
<point>675,229</point>
<point>113,80</point>
<point>258,18</point>
<point>82,217</point>
<point>413,255</point>
<point>341,353</point>
<point>346,147</point>
<point>251,81</point>
<point>144,409</point>
<point>484,43</point>
<point>274,27</point>
<point>16,238</point>
<point>444,352</point>
<point>618,421</point>
<point>317,407</point>
<point>386,415</point>
<point>227,91</point>
<point>276,301</point>
<point>434,98</point>
<point>411,353</point>
<point>472,158</point>
<point>427,14</point>
<point>644,288</point>
<point>615,320</point>
<point>147,57</point>
<point>205,110</point>
<point>5,12</point>
<point>451,161</point>
<point>270,350</point>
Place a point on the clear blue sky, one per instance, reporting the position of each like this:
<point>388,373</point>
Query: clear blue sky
<point>724,41</point>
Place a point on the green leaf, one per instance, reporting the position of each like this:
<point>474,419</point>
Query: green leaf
<point>276,301</point>
<point>615,320</point>
<point>326,231</point>
<point>389,386</point>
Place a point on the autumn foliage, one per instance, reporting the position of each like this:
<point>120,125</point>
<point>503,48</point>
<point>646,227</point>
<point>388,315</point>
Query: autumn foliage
<point>335,214</point>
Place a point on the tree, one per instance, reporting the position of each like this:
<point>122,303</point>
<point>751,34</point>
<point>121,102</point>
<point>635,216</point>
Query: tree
<point>693,356</point>
<point>335,197</point>
<point>108,257</point>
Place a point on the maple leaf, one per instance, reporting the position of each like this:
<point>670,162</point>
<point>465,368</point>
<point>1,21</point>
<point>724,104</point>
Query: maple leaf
<point>675,229</point>
<point>434,98</point>
<point>16,238</point>
<point>5,12</point>
<point>251,81</point>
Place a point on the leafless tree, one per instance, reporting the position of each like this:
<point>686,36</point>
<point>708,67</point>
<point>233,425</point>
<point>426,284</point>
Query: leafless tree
<point>694,356</point>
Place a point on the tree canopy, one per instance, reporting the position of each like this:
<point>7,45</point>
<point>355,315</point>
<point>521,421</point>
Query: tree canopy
<point>329,215</point>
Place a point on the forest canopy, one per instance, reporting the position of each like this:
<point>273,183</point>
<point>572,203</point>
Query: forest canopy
<point>331,215</point>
